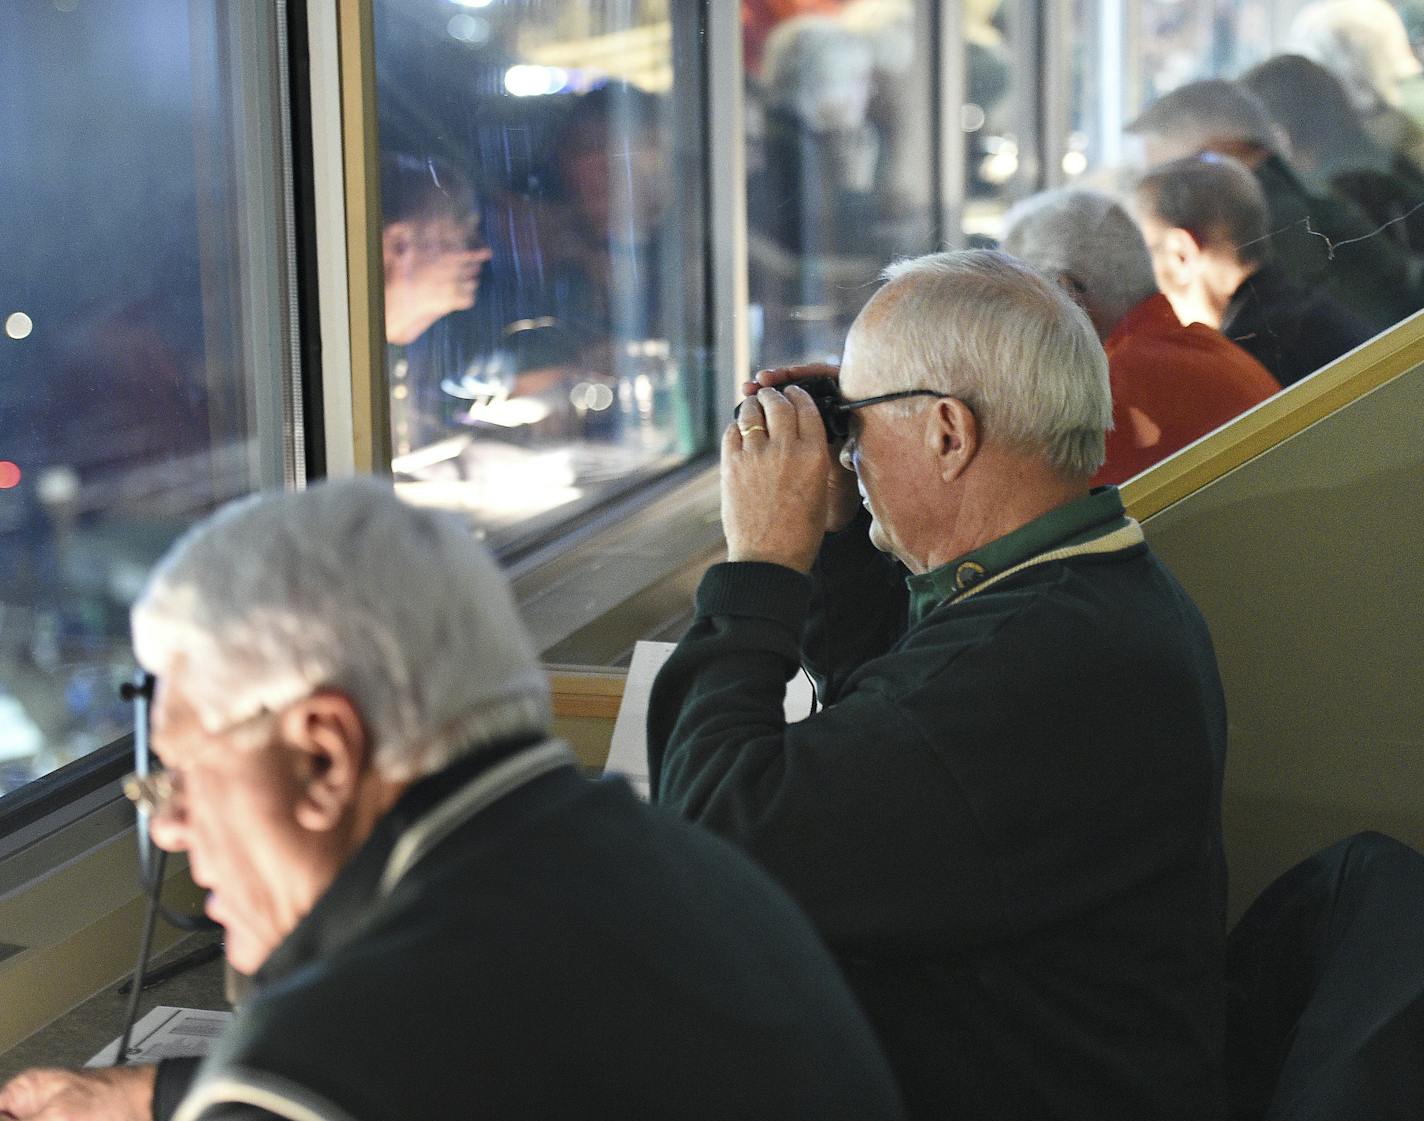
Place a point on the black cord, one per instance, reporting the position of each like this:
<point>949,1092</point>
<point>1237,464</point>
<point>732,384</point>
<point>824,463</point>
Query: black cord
<point>194,924</point>
<point>145,947</point>
<point>158,974</point>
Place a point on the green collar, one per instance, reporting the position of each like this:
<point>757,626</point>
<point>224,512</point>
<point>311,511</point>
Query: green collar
<point>1074,523</point>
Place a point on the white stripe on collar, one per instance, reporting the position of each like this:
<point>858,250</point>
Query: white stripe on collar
<point>481,791</point>
<point>1124,537</point>
<point>268,1092</point>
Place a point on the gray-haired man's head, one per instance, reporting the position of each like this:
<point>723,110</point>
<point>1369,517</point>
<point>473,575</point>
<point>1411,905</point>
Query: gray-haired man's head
<point>317,653</point>
<point>986,328</point>
<point>343,586</point>
<point>1086,243</point>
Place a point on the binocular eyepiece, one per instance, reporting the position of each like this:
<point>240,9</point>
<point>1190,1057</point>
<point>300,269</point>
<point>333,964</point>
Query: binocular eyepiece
<point>826,393</point>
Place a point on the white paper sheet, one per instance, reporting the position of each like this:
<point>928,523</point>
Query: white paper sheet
<point>168,1033</point>
<point>628,755</point>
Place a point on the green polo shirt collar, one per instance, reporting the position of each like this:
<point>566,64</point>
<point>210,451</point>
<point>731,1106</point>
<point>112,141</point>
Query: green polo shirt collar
<point>1073,523</point>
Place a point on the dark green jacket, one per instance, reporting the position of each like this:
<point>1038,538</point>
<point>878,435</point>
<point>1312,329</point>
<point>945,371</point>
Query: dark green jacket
<point>517,942</point>
<point>1005,821</point>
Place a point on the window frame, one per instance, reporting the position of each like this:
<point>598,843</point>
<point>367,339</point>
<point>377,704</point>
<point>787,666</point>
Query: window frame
<point>264,47</point>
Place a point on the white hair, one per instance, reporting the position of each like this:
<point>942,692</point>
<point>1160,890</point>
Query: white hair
<point>889,27</point>
<point>983,327</point>
<point>1362,42</point>
<point>343,586</point>
<point>1087,237</point>
<point>821,69</point>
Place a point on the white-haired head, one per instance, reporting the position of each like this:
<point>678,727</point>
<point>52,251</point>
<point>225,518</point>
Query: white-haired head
<point>821,70</point>
<point>978,325</point>
<point>1086,242</point>
<point>1362,42</point>
<point>889,27</point>
<point>1205,116</point>
<point>343,586</point>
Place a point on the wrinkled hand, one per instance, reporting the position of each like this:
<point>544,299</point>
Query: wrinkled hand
<point>842,497</point>
<point>774,465</point>
<point>115,1094</point>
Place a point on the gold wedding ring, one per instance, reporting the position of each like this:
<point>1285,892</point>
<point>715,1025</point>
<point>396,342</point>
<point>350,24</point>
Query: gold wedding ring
<point>749,429</point>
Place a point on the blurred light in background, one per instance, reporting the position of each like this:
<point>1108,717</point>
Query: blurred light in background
<point>1002,162</point>
<point>591,395</point>
<point>535,81</point>
<point>468,29</point>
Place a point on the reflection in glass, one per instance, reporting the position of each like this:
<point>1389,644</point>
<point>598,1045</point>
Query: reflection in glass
<point>1316,149</point>
<point>1366,45</point>
<point>995,152</point>
<point>130,359</point>
<point>1225,274</point>
<point>543,220</point>
<point>1334,152</point>
<point>1278,195</point>
<point>838,159</point>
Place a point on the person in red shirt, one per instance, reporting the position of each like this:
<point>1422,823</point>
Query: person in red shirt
<point>1171,383</point>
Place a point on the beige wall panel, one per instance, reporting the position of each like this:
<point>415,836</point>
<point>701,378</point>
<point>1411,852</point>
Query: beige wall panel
<point>1308,562</point>
<point>589,737</point>
<point>585,709</point>
<point>80,927</point>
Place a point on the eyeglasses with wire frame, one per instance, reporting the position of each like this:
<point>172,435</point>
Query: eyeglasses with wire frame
<point>152,793</point>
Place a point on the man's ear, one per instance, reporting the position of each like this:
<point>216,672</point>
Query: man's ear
<point>1073,286</point>
<point>397,242</point>
<point>327,731</point>
<point>953,434</point>
<point>1079,294</point>
<point>1182,253</point>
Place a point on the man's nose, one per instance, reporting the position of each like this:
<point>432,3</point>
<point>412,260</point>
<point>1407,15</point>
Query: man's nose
<point>847,456</point>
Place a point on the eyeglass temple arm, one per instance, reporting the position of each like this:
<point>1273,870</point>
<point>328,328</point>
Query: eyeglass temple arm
<point>141,687</point>
<point>139,693</point>
<point>899,395</point>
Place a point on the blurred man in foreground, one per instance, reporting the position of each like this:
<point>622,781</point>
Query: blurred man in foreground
<point>1005,819</point>
<point>444,919</point>
<point>1171,384</point>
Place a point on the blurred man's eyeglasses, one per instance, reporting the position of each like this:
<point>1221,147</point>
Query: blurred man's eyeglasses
<point>152,793</point>
<point>151,787</point>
